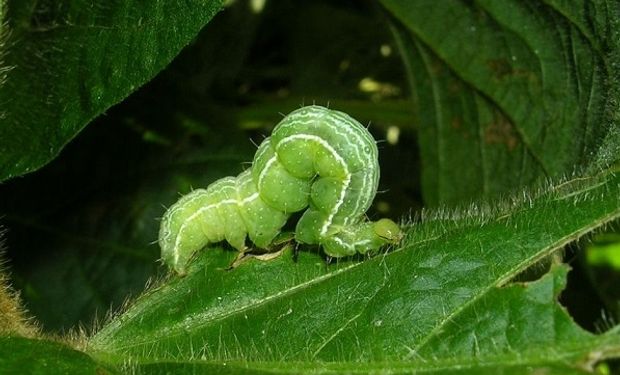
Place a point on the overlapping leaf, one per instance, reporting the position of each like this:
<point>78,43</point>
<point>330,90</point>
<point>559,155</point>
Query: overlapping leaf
<point>70,61</point>
<point>508,92</point>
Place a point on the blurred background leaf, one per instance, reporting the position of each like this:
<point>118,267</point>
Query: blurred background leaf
<point>67,62</point>
<point>508,93</point>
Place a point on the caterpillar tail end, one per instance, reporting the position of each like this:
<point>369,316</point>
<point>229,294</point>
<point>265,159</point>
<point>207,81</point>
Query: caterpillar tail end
<point>177,254</point>
<point>172,258</point>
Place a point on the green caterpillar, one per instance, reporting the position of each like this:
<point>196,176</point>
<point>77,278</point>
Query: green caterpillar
<point>316,158</point>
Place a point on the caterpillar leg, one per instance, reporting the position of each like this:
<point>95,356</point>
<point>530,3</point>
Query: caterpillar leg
<point>244,256</point>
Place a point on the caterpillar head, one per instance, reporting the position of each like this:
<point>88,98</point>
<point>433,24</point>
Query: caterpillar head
<point>388,231</point>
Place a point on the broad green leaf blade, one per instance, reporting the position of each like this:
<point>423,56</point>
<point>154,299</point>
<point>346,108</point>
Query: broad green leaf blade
<point>203,367</point>
<point>29,356</point>
<point>71,61</point>
<point>508,92</point>
<point>449,282</point>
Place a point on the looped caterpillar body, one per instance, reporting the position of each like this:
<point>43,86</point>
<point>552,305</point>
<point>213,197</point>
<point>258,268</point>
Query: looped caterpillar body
<point>316,159</point>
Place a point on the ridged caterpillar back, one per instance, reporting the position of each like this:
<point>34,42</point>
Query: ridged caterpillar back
<point>316,159</point>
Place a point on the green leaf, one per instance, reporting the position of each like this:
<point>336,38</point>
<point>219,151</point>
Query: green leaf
<point>29,356</point>
<point>506,93</point>
<point>71,61</point>
<point>444,301</point>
